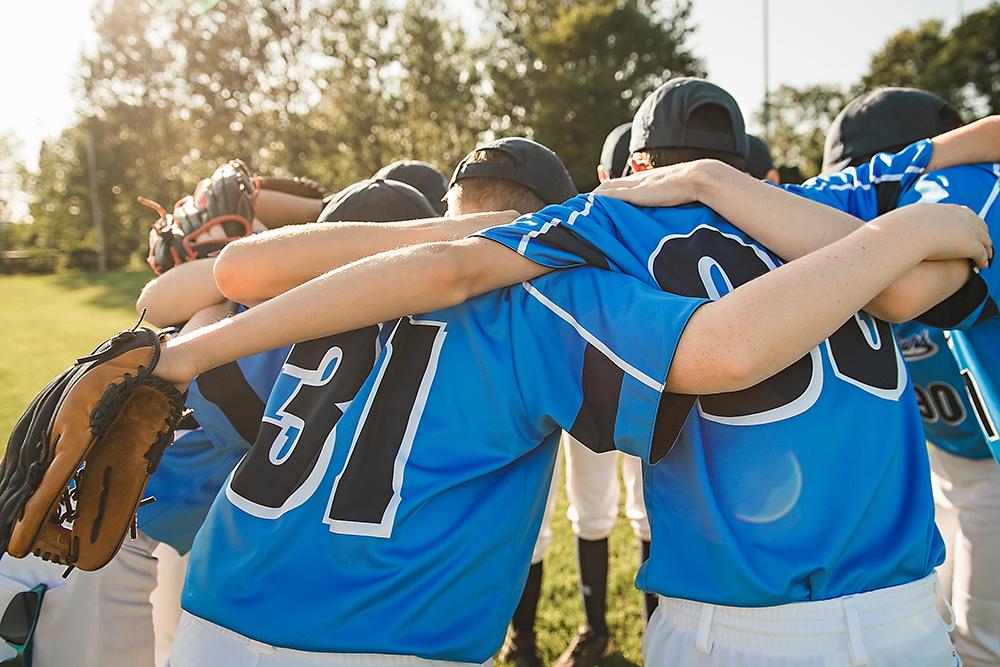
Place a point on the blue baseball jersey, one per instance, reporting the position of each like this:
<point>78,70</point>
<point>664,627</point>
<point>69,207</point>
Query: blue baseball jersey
<point>811,485</point>
<point>227,404</point>
<point>978,373</point>
<point>393,496</point>
<point>955,416</point>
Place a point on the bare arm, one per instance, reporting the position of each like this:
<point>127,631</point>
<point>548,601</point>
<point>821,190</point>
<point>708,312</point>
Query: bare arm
<point>746,336</point>
<point>765,325</point>
<point>789,225</point>
<point>179,293</point>
<point>265,265</point>
<point>976,142</point>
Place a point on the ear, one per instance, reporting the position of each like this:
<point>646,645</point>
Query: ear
<point>773,176</point>
<point>602,174</point>
<point>637,166</point>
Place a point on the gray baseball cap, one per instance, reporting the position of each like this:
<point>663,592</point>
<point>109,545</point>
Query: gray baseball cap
<point>377,200</point>
<point>759,160</point>
<point>882,119</point>
<point>424,176</point>
<point>535,167</point>
<point>662,118</point>
<point>614,154</point>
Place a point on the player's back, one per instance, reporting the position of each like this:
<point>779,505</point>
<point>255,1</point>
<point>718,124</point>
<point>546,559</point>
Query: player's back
<point>393,496</point>
<point>945,393</point>
<point>810,485</point>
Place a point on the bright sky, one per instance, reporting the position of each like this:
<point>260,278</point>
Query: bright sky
<point>811,41</point>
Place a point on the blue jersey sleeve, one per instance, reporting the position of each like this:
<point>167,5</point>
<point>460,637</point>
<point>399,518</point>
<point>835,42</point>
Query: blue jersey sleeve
<point>606,353</point>
<point>869,190</point>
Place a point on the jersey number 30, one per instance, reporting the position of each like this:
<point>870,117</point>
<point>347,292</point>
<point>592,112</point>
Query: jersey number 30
<point>295,445</point>
<point>708,263</point>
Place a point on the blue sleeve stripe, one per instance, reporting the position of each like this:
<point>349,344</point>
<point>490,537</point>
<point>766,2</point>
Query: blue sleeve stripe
<point>593,340</point>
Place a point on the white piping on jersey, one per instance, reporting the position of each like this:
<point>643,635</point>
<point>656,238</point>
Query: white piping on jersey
<point>993,194</point>
<point>593,340</point>
<point>523,245</point>
<point>858,185</point>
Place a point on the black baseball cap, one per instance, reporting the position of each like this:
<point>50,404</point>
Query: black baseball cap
<point>614,154</point>
<point>759,160</point>
<point>882,119</point>
<point>424,176</point>
<point>662,118</point>
<point>535,167</point>
<point>377,200</point>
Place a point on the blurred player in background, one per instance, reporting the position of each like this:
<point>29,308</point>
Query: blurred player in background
<point>964,475</point>
<point>592,489</point>
<point>759,162</point>
<point>425,177</point>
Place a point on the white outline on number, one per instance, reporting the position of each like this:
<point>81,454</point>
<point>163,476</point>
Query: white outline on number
<point>875,343</point>
<point>383,529</point>
<point>809,395</point>
<point>311,377</point>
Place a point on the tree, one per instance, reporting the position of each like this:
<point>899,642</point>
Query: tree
<point>800,119</point>
<point>567,72</point>
<point>962,66</point>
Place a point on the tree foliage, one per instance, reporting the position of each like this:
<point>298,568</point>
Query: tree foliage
<point>961,65</point>
<point>568,71</point>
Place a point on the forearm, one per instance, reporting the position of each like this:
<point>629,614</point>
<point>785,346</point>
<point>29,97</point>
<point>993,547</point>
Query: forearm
<point>175,296</point>
<point>765,325</point>
<point>789,225</point>
<point>792,226</point>
<point>265,265</point>
<point>375,289</point>
<point>277,209</point>
<point>975,142</point>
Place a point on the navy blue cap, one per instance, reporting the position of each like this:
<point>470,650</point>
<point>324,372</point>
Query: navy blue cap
<point>759,160</point>
<point>883,119</point>
<point>614,154</point>
<point>377,200</point>
<point>535,167</point>
<point>424,176</point>
<point>662,118</point>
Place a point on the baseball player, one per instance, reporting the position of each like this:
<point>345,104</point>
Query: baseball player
<point>759,163</point>
<point>226,406</point>
<point>964,476</point>
<point>425,177</point>
<point>404,587</point>
<point>592,490</point>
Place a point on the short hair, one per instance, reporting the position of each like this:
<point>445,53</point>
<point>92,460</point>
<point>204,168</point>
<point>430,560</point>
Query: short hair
<point>496,194</point>
<point>706,118</point>
<point>949,119</point>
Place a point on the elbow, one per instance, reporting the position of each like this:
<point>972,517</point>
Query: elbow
<point>450,271</point>
<point>234,281</point>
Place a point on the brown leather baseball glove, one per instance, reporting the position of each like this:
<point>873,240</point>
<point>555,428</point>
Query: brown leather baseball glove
<point>78,460</point>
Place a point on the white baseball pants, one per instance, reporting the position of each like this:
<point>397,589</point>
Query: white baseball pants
<point>967,505</point>
<point>96,619</point>
<point>892,627</point>
<point>202,644</point>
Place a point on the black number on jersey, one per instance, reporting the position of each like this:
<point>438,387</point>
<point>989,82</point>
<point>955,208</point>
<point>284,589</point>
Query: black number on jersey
<point>709,263</point>
<point>288,462</point>
<point>940,402</point>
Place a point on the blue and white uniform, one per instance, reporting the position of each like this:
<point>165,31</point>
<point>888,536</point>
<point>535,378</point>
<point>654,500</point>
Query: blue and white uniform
<point>393,496</point>
<point>226,404</point>
<point>955,376</point>
<point>772,495</point>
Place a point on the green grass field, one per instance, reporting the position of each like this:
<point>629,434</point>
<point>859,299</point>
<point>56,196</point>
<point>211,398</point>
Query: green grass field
<point>47,321</point>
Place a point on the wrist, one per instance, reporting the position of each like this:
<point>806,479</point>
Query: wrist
<point>704,178</point>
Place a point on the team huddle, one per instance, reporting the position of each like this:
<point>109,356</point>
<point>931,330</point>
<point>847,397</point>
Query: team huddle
<point>380,383</point>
